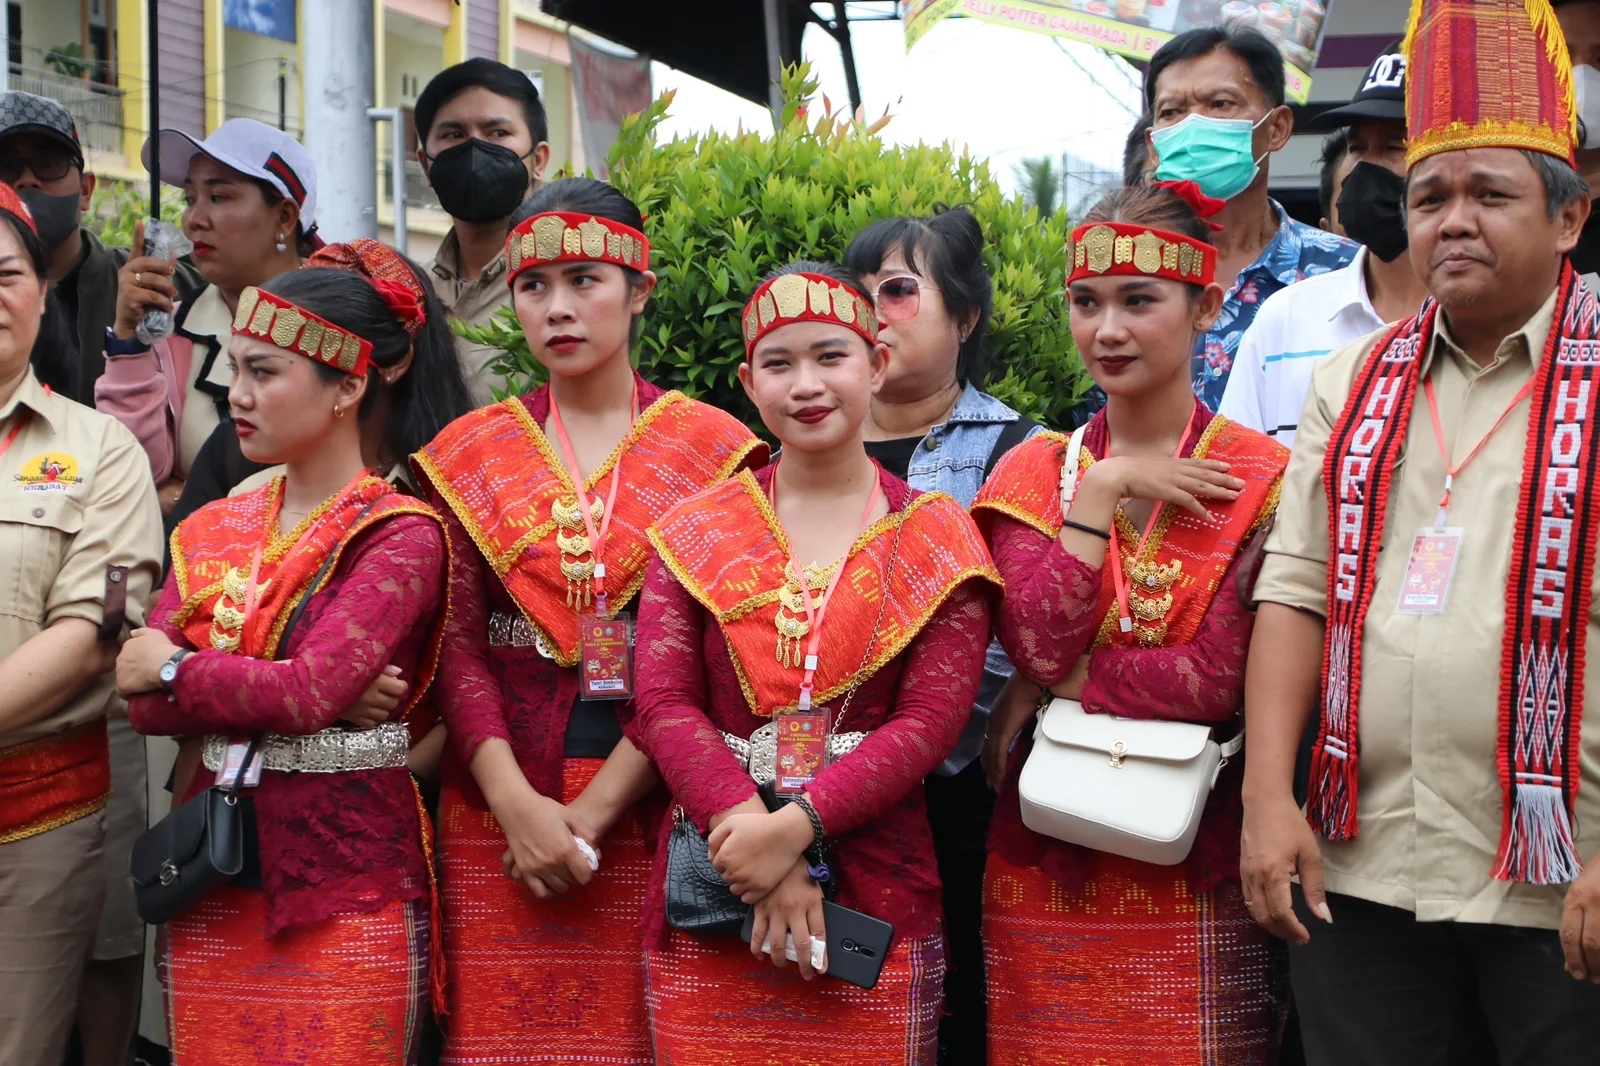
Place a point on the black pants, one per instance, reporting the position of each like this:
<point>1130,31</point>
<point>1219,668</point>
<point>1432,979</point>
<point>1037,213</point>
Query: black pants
<point>1379,988</point>
<point>959,808</point>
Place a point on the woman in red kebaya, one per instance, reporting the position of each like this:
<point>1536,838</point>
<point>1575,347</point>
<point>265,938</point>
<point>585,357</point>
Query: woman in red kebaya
<point>823,595</point>
<point>320,950</point>
<point>548,496</point>
<point>1127,589</point>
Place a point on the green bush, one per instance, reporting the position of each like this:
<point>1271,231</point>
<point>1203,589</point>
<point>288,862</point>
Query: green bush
<point>724,210</point>
<point>117,205</point>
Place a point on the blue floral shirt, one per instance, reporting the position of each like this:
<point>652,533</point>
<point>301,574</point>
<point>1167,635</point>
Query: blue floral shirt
<point>1298,251</point>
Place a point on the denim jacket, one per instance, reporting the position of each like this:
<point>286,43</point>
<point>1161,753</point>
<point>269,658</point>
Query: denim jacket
<point>951,459</point>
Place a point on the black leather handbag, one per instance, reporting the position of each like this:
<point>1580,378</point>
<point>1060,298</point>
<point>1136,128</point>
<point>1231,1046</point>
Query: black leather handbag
<point>699,901</point>
<point>200,846</point>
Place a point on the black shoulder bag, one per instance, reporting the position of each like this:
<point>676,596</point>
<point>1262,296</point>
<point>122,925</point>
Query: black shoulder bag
<point>199,847</point>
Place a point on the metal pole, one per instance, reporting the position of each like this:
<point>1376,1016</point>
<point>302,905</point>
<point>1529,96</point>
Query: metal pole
<point>152,65</point>
<point>841,33</point>
<point>771,14</point>
<point>397,167</point>
<point>337,76</point>
<point>283,93</point>
<point>5,41</point>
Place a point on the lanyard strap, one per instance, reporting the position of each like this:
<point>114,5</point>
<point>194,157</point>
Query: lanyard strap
<point>5,445</point>
<point>597,539</point>
<point>250,602</point>
<point>817,613</point>
<point>1450,472</point>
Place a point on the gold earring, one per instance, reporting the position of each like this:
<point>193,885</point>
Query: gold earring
<point>338,412</point>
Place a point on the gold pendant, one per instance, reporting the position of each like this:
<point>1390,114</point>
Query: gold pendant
<point>572,541</point>
<point>579,576</point>
<point>227,615</point>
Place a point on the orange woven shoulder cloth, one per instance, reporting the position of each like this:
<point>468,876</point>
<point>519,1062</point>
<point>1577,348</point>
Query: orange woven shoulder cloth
<point>726,547</point>
<point>1172,581</point>
<point>53,781</point>
<point>508,486</point>
<point>213,549</point>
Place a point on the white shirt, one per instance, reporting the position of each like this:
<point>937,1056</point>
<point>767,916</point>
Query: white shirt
<point>1294,329</point>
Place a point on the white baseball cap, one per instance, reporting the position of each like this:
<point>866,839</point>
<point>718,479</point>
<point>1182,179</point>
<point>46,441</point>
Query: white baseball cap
<point>254,149</point>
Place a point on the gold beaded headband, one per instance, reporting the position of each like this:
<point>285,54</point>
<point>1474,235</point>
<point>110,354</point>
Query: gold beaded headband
<point>276,320</point>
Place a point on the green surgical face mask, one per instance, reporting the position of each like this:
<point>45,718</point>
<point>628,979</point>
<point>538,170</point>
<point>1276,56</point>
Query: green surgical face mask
<point>1216,154</point>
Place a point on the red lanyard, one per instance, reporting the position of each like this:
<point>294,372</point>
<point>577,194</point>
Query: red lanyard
<point>1450,472</point>
<point>255,563</point>
<point>816,613</point>
<point>597,540</point>
<point>5,445</point>
<point>1114,549</point>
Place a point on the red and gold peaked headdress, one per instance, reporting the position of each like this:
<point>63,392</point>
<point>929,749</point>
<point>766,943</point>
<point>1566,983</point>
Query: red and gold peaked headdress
<point>279,322</point>
<point>791,298</point>
<point>557,236</point>
<point>1487,74</point>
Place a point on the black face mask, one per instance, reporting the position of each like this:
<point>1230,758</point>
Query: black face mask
<point>479,182</point>
<point>1586,256</point>
<point>1371,209</point>
<point>56,216</point>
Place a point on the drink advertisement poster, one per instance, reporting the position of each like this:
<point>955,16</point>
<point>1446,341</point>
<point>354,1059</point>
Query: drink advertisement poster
<point>1137,28</point>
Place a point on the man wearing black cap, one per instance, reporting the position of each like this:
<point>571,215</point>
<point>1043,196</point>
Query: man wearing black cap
<point>1298,325</point>
<point>41,157</point>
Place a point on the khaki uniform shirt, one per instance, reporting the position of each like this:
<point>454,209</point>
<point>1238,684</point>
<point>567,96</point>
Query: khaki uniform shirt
<point>474,303</point>
<point>75,497</point>
<point>209,324</point>
<point>1429,715</point>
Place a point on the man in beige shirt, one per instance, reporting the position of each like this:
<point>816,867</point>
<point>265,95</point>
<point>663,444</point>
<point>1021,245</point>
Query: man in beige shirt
<point>485,145</point>
<point>80,530</point>
<point>1425,909</point>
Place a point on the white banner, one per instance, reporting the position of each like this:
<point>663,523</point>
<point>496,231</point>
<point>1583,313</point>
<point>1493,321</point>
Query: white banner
<point>609,88</point>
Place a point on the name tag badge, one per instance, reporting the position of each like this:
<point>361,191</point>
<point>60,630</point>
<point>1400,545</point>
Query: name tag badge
<point>605,657</point>
<point>802,748</point>
<point>1429,571</point>
<point>233,761</point>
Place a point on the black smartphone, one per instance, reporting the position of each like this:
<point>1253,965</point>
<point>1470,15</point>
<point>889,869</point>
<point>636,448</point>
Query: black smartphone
<point>858,943</point>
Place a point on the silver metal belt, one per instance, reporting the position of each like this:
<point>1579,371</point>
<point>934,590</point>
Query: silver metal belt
<point>513,631</point>
<point>331,751</point>
<point>759,755</point>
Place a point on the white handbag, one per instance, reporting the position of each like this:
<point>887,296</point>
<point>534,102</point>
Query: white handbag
<point>1132,787</point>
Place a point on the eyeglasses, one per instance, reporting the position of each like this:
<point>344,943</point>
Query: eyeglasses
<point>899,299</point>
<point>52,167</point>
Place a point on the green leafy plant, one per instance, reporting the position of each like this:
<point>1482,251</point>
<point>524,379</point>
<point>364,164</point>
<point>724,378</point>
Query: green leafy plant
<point>117,205</point>
<point>723,210</point>
<point>68,60</point>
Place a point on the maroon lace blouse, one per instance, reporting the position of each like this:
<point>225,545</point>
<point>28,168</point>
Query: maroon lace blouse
<point>514,694</point>
<point>1049,619</point>
<point>342,843</point>
<point>871,803</point>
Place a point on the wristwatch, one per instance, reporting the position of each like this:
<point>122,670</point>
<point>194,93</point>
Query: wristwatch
<point>169,669</point>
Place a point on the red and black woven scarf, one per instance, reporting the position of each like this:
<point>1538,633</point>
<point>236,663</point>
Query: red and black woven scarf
<point>1547,591</point>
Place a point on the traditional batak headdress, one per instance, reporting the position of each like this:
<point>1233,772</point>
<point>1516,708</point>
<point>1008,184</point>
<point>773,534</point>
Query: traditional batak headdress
<point>791,298</point>
<point>1096,249</point>
<point>567,236</point>
<point>389,273</point>
<point>1487,74</point>
<point>276,320</point>
<point>10,201</point>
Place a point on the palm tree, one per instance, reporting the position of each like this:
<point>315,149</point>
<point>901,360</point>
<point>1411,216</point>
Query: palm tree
<point>1041,183</point>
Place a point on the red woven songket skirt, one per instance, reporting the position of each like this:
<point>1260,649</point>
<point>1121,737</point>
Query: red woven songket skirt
<point>558,981</point>
<point>1137,971</point>
<point>351,989</point>
<point>712,1003</point>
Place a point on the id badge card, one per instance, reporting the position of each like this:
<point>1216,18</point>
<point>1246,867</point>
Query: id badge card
<point>605,657</point>
<point>1431,567</point>
<point>802,748</point>
<point>233,762</point>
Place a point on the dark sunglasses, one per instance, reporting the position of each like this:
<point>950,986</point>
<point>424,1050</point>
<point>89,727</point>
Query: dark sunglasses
<point>899,299</point>
<point>44,167</point>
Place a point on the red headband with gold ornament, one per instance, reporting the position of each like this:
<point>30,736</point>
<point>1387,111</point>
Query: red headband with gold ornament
<point>792,298</point>
<point>566,236</point>
<point>10,201</point>
<point>1096,249</point>
<point>277,321</point>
